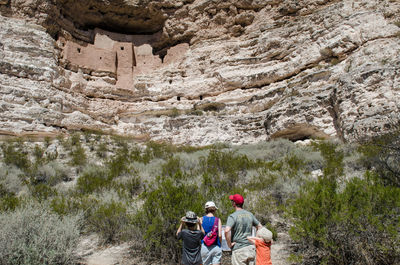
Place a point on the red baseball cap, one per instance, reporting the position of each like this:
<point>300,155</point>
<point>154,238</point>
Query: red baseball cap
<point>237,198</point>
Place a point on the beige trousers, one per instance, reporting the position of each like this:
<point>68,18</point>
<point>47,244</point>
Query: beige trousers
<point>244,256</point>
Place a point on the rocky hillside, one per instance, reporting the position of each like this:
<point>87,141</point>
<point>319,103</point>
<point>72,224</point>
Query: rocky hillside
<point>200,71</point>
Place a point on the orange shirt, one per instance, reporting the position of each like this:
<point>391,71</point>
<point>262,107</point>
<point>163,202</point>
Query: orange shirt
<point>263,250</point>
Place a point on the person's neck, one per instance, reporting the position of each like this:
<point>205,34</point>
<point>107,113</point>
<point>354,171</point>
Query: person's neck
<point>210,214</point>
<point>238,208</point>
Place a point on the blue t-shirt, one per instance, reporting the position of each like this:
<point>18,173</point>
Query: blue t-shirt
<point>208,223</point>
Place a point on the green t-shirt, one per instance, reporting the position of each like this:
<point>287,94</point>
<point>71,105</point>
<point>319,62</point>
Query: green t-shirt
<point>241,222</point>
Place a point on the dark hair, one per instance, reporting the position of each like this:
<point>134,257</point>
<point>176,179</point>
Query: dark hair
<point>190,224</point>
<point>237,204</point>
<point>210,210</point>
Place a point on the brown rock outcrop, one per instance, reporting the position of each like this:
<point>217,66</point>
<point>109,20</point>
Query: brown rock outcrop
<point>332,66</point>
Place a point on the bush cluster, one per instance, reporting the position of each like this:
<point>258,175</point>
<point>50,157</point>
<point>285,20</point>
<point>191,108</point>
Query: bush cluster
<point>124,192</point>
<point>165,201</point>
<point>350,221</point>
<point>32,235</point>
<point>382,153</point>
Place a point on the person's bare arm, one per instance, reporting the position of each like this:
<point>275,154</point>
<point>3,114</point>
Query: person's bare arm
<point>200,223</point>
<point>253,239</point>
<point>180,226</point>
<point>228,236</point>
<point>220,230</point>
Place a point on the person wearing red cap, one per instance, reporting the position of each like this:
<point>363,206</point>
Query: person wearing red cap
<point>238,227</point>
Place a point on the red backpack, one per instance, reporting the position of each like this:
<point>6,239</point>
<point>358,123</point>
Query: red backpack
<point>211,236</point>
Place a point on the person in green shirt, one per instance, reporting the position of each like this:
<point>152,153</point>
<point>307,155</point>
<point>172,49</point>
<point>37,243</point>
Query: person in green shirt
<point>238,227</point>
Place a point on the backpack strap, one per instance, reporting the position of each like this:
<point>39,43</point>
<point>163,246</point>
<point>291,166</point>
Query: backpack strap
<point>215,226</point>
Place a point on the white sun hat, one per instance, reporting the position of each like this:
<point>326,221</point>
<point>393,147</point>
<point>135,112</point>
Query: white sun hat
<point>265,234</point>
<point>210,204</point>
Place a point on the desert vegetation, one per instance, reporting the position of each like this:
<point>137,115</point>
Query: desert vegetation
<point>340,203</point>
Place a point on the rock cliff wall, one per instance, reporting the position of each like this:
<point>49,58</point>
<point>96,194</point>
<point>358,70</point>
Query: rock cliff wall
<point>201,71</point>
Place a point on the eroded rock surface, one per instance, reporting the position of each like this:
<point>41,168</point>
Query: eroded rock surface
<point>199,72</point>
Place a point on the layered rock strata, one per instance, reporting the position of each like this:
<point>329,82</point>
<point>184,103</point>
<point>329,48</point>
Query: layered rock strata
<point>199,72</point>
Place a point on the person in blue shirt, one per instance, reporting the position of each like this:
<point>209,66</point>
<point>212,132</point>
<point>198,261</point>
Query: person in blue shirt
<point>211,252</point>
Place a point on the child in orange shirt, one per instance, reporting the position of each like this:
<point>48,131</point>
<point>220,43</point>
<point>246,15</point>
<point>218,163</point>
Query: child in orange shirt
<point>262,241</point>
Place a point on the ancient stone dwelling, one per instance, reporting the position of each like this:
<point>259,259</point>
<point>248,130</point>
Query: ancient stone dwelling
<point>123,56</point>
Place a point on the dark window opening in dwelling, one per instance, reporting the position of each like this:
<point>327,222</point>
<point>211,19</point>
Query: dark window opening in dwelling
<point>101,58</point>
<point>178,98</point>
<point>201,97</point>
<point>122,48</point>
<point>170,81</point>
<point>79,50</point>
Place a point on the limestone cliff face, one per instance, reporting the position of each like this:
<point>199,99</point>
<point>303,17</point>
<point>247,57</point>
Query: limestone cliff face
<point>200,71</point>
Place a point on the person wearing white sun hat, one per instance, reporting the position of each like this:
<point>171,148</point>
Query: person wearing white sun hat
<point>211,252</point>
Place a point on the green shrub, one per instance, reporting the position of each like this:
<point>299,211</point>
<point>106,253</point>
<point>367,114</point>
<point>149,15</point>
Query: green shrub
<point>370,221</point>
<point>33,236</point>
<point>14,153</point>
<point>333,166</point>
<point>382,153</point>
<point>62,205</point>
<point>174,112</point>
<point>118,164</point>
<point>93,178</point>
<point>226,168</point>
<point>42,192</point>
<point>111,221</point>
<point>165,201</point>
<point>101,150</point>
<point>47,141</point>
<point>196,112</point>
<point>127,187</point>
<point>73,204</point>
<point>75,139</point>
<point>136,154</point>
<point>38,153</point>
<point>294,165</point>
<point>51,173</point>
<point>171,167</point>
<point>78,155</point>
<point>345,222</point>
<point>160,150</point>
<point>10,178</point>
<point>8,200</point>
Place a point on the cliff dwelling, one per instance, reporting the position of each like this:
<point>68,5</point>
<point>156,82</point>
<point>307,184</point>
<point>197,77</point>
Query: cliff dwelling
<point>122,56</point>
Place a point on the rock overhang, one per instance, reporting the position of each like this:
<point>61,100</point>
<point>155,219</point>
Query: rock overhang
<point>129,17</point>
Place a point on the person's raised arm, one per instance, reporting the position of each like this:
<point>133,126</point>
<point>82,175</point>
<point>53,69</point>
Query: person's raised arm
<point>200,224</point>
<point>180,226</point>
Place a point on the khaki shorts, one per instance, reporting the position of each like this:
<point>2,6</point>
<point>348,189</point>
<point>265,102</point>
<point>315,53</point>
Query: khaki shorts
<point>244,256</point>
